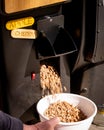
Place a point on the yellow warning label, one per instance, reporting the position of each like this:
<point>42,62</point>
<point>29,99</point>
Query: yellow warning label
<point>20,23</point>
<point>101,111</point>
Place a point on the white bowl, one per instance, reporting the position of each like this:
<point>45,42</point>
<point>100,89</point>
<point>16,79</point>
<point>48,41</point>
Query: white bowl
<point>86,105</point>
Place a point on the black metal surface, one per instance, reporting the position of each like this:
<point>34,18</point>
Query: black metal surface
<point>94,49</point>
<point>57,41</point>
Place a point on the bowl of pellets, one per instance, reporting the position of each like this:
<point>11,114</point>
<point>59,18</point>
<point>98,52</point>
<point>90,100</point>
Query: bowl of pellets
<point>75,112</point>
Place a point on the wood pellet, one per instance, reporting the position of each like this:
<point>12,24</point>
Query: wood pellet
<point>65,111</point>
<point>50,80</point>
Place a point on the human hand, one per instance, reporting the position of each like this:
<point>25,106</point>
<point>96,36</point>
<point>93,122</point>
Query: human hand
<point>46,125</point>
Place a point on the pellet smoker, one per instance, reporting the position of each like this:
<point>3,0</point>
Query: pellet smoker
<point>66,34</point>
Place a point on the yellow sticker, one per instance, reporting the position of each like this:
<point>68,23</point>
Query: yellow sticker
<point>20,23</point>
<point>24,33</point>
<point>101,111</point>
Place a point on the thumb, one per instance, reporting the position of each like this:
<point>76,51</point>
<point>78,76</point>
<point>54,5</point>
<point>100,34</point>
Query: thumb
<point>54,121</point>
<point>47,125</point>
